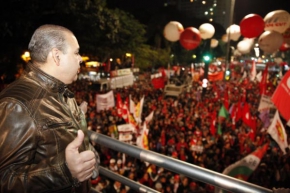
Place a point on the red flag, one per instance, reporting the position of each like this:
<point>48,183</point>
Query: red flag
<point>263,83</point>
<point>119,105</point>
<point>216,91</point>
<point>243,96</point>
<point>281,96</point>
<point>122,108</point>
<point>215,76</point>
<point>158,83</point>
<point>226,99</point>
<point>212,124</point>
<point>125,110</point>
<point>235,112</point>
<point>239,112</point>
<point>248,119</point>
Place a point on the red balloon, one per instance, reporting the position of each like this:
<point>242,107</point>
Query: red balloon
<point>284,47</point>
<point>252,26</point>
<point>190,38</point>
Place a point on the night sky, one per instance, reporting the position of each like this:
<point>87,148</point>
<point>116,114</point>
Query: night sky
<point>242,7</point>
<point>260,7</point>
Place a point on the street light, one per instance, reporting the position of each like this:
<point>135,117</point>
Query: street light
<point>206,59</point>
<point>227,75</point>
<point>128,55</point>
<point>26,56</point>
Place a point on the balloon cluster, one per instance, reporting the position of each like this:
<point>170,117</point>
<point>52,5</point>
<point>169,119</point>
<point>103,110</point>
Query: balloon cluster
<point>272,31</point>
<point>190,37</point>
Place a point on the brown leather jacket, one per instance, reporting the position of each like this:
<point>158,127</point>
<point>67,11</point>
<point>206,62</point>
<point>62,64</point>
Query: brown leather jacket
<point>39,118</point>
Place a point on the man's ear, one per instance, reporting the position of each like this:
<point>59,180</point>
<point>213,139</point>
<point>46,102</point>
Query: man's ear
<point>55,54</point>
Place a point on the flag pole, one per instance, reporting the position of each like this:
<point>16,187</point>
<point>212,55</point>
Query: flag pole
<point>228,61</point>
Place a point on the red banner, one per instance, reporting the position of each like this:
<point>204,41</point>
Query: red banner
<point>281,96</point>
<point>215,76</point>
<point>158,83</point>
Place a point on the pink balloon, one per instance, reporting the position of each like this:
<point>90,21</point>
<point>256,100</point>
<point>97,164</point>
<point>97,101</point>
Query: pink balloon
<point>190,38</point>
<point>252,26</point>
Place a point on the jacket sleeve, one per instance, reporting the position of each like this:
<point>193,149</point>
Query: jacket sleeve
<point>19,136</point>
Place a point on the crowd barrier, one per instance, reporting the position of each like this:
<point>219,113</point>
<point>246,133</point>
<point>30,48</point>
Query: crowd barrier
<point>192,171</point>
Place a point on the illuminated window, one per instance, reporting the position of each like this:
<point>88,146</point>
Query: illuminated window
<point>206,13</point>
<point>203,2</point>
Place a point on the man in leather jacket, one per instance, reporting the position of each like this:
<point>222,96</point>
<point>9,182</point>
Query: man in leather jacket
<point>43,141</point>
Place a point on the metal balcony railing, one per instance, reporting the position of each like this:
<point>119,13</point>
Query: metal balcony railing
<point>194,172</point>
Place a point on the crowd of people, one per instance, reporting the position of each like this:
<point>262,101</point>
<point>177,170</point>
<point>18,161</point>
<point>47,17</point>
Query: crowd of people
<point>181,128</point>
<point>47,111</point>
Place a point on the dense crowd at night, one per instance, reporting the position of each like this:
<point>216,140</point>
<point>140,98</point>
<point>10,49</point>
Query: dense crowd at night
<point>182,128</point>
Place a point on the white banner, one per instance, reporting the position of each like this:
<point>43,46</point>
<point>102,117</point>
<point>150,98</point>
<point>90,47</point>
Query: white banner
<point>125,137</point>
<point>149,117</point>
<point>278,133</point>
<point>105,101</point>
<point>125,128</point>
<point>265,103</point>
<point>121,81</point>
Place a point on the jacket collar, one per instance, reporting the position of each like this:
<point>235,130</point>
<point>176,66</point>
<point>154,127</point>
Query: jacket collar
<point>47,81</point>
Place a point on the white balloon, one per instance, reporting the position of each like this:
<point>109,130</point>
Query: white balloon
<point>278,21</point>
<point>214,43</point>
<point>234,31</point>
<point>250,41</point>
<point>244,46</point>
<point>206,31</point>
<point>270,41</point>
<point>172,31</point>
<point>237,53</point>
